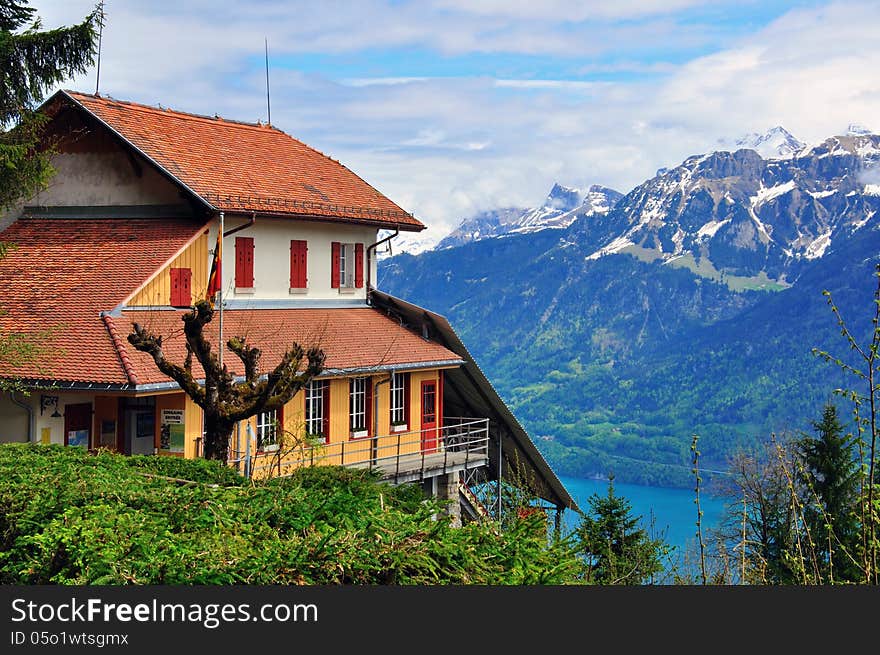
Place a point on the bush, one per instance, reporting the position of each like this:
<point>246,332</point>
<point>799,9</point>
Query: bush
<point>69,517</point>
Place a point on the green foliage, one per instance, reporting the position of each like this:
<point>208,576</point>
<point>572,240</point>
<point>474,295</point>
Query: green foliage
<point>863,363</point>
<point>831,479</point>
<point>31,62</point>
<point>68,517</point>
<point>762,515</point>
<point>613,547</point>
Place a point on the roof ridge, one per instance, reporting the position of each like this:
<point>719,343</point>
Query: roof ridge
<point>216,118</point>
<point>121,350</point>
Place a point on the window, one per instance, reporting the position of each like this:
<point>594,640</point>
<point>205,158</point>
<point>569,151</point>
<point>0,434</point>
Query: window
<point>360,394</point>
<point>399,399</point>
<point>429,403</point>
<point>244,263</point>
<point>347,265</point>
<point>268,428</point>
<point>299,264</point>
<point>181,285</point>
<point>318,409</point>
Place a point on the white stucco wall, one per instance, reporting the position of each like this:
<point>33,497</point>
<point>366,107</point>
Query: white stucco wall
<point>13,421</point>
<point>272,239</point>
<point>105,178</point>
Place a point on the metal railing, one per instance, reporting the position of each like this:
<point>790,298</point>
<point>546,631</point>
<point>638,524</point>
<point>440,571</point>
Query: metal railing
<point>461,443</point>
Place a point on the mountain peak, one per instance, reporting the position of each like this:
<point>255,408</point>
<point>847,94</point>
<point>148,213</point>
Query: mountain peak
<point>857,129</point>
<point>775,143</point>
<point>563,198</point>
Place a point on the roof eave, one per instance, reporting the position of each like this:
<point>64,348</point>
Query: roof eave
<point>497,404</point>
<point>324,218</point>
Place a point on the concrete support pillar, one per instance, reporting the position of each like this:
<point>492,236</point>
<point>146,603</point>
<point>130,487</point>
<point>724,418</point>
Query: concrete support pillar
<point>447,489</point>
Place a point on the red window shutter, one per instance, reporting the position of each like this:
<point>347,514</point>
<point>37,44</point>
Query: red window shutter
<point>334,264</point>
<point>298,263</point>
<point>406,402</point>
<point>368,410</point>
<point>244,262</point>
<point>359,265</point>
<point>175,287</point>
<point>326,414</point>
<point>181,287</point>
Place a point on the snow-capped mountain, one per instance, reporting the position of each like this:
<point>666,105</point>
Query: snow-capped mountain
<point>741,214</point>
<point>559,201</point>
<point>560,208</point>
<point>775,143</point>
<point>856,129</point>
<point>486,224</point>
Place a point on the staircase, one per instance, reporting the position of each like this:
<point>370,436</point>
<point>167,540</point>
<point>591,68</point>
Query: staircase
<point>471,507</point>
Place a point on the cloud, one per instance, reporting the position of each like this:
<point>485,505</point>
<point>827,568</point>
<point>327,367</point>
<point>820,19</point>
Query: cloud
<point>447,145</point>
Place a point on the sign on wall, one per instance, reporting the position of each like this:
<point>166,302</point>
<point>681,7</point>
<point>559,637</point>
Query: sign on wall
<point>172,435</point>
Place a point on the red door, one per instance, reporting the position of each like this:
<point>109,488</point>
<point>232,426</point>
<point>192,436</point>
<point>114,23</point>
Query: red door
<point>78,425</point>
<point>429,416</point>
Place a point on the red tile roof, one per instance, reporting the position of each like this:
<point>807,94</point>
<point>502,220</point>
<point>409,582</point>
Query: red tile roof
<point>351,338</point>
<point>245,167</point>
<point>61,274</point>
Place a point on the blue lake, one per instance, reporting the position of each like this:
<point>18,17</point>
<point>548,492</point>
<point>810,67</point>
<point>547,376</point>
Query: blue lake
<point>673,511</point>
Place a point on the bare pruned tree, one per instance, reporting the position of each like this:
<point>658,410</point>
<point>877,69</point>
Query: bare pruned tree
<point>224,401</point>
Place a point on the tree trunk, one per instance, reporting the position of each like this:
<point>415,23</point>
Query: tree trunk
<point>218,431</point>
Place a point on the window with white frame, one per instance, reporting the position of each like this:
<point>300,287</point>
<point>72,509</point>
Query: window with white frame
<point>347,266</point>
<point>267,430</point>
<point>315,396</point>
<point>398,398</point>
<point>357,404</point>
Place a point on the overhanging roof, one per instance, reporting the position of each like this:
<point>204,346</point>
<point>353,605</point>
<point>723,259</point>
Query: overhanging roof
<point>468,389</point>
<point>241,167</point>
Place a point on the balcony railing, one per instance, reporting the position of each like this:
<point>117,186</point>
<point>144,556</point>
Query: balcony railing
<point>461,444</point>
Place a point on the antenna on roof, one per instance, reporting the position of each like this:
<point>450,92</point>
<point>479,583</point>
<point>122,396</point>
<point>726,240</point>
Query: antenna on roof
<point>100,35</point>
<point>268,104</point>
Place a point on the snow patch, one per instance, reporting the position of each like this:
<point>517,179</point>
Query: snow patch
<point>615,246</point>
<point>818,247</point>
<point>766,195</point>
<point>710,228</point>
<point>761,227</point>
<point>867,149</point>
<point>861,224</point>
<point>822,194</point>
<point>872,190</point>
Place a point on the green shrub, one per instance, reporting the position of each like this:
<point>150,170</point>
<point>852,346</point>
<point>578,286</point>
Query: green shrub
<point>68,517</point>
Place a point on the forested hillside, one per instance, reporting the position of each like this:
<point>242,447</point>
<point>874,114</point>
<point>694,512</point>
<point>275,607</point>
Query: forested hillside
<point>616,340</point>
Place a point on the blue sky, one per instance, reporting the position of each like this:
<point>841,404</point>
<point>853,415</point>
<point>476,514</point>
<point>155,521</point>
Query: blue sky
<point>451,107</point>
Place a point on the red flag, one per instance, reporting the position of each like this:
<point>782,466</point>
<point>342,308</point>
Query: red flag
<point>215,279</point>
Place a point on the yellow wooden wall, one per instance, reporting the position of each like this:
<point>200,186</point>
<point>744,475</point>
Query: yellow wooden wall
<point>342,448</point>
<point>193,430</point>
<point>157,292</point>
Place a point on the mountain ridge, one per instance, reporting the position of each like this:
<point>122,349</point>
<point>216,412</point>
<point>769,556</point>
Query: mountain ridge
<point>696,324</point>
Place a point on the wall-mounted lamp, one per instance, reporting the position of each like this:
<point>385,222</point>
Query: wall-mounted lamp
<point>49,401</point>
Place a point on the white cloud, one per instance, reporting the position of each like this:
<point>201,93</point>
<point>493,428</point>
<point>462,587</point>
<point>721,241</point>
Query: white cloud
<point>447,147</point>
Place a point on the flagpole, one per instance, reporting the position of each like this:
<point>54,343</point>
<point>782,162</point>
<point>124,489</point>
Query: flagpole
<point>220,294</point>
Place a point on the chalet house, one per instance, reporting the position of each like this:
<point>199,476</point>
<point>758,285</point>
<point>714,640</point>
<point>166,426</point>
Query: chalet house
<point>126,232</point>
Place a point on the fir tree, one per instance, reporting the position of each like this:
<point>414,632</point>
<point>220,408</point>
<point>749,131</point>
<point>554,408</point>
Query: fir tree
<point>830,474</point>
<point>31,62</point>
<point>612,545</point>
